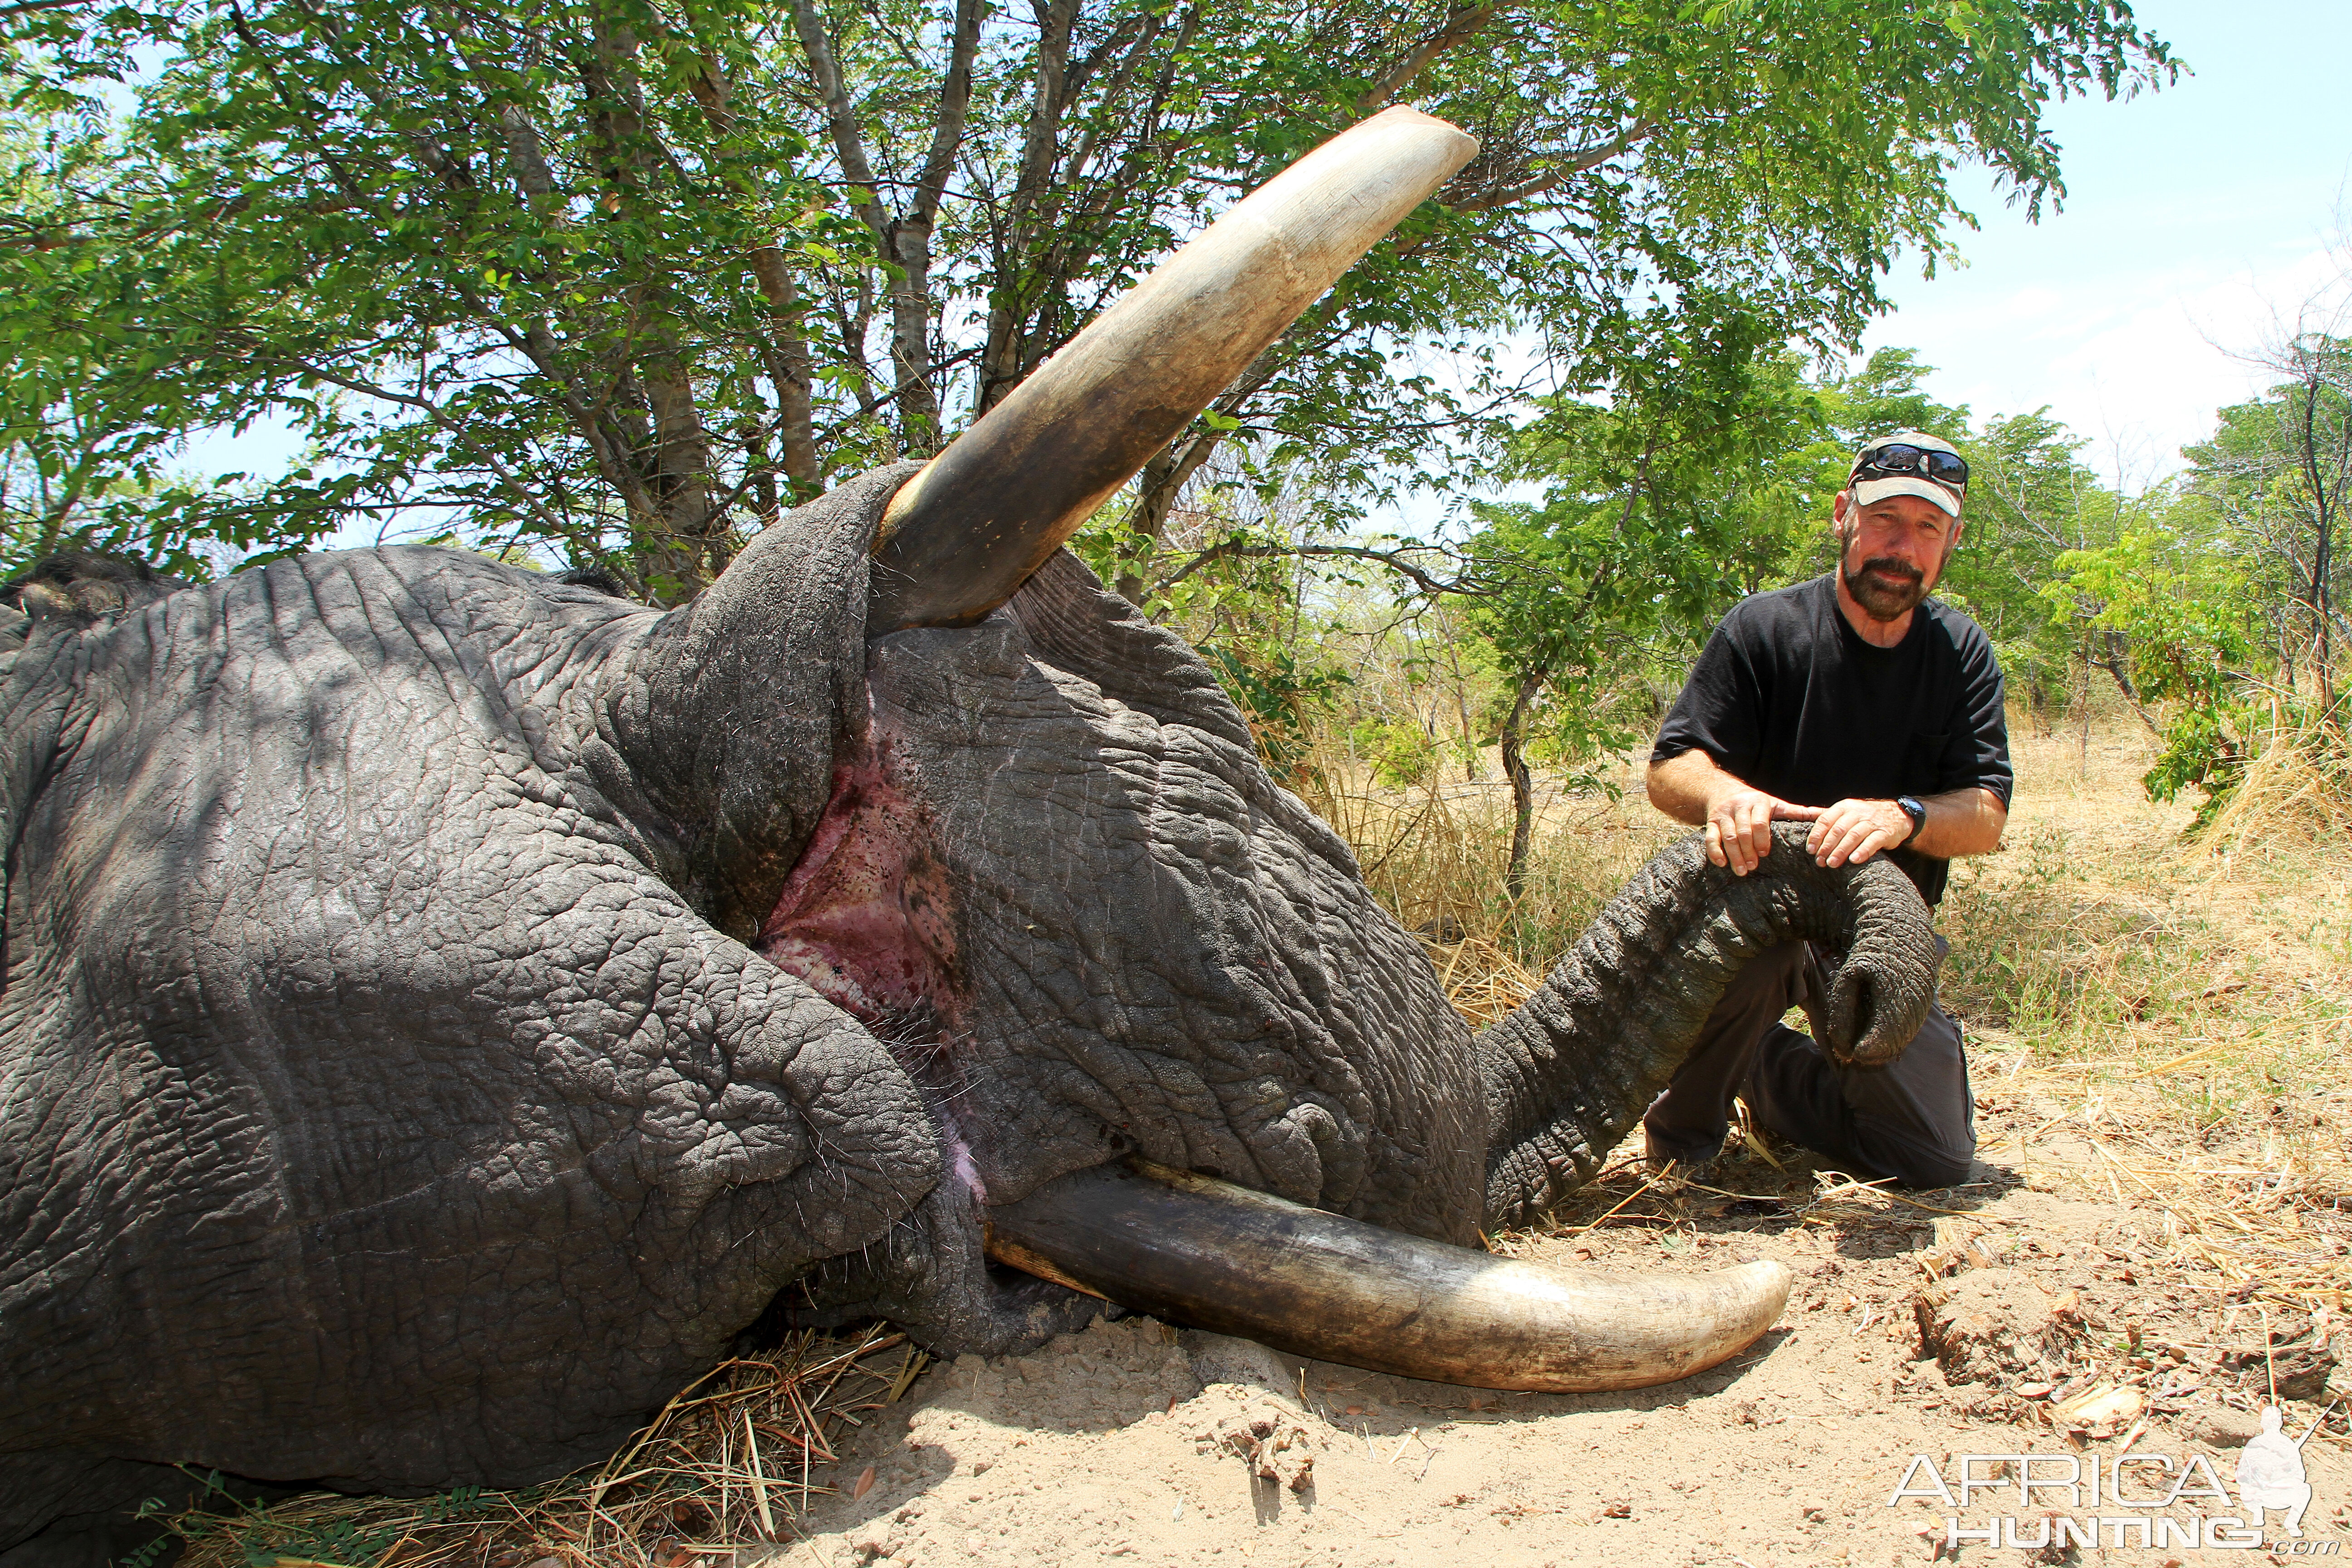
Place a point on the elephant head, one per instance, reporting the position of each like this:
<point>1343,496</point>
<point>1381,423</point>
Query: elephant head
<point>444,1005</point>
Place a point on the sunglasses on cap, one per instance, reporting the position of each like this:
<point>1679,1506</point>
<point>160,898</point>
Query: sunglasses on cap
<point>1902,458</point>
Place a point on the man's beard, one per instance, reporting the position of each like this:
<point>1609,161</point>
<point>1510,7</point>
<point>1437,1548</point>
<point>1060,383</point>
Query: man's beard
<point>1886,588</point>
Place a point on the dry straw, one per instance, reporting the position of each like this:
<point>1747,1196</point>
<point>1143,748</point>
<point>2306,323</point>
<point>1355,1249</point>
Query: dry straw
<point>2297,786</point>
<point>731,1462</point>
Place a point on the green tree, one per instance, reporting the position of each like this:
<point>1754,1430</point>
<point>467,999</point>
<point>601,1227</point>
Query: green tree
<point>2031,503</point>
<point>2168,596</point>
<point>620,275</point>
<point>92,401</point>
<point>2030,499</point>
<point>1662,507</point>
<point>2279,471</point>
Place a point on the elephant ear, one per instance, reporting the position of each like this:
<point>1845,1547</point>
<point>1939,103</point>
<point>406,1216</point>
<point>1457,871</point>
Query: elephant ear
<point>728,713</point>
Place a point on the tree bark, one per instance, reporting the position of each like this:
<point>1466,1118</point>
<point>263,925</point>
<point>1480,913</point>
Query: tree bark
<point>1018,284</point>
<point>903,240</point>
<point>783,348</point>
<point>1459,29</point>
<point>2117,664</point>
<point>2322,520</point>
<point>785,356</point>
<point>688,546</point>
<point>1516,723</point>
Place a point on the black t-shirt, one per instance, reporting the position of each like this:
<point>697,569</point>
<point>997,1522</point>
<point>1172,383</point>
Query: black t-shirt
<point>1788,697</point>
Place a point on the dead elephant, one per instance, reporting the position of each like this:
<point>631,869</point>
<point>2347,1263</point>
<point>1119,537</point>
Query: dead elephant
<point>444,1005</point>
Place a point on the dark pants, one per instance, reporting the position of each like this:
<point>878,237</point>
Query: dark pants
<point>1913,1118</point>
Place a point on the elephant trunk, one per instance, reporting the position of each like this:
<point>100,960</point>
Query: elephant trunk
<point>1204,1252</point>
<point>1568,1073</point>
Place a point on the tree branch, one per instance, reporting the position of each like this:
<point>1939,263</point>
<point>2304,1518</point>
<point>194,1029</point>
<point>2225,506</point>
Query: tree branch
<point>955,107</point>
<point>1394,560</point>
<point>1642,130</point>
<point>1460,27</point>
<point>840,116</point>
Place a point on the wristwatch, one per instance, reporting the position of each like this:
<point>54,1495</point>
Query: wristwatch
<point>1917,812</point>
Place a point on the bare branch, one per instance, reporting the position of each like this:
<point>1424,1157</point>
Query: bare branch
<point>1642,130</point>
<point>1396,561</point>
<point>840,115</point>
<point>1459,29</point>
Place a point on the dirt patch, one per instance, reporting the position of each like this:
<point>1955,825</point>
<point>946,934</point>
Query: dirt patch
<point>1995,1325</point>
<point>1111,1445</point>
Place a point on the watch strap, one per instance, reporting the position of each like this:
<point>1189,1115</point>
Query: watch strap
<point>1917,812</point>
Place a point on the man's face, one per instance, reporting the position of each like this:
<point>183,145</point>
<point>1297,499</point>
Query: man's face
<point>1892,552</point>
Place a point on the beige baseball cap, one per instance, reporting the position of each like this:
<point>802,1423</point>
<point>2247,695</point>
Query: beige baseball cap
<point>1910,463</point>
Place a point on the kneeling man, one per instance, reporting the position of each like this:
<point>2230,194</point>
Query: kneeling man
<point>1856,703</point>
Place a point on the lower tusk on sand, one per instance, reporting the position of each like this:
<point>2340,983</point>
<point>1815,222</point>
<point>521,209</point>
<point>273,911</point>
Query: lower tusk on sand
<point>1204,1252</point>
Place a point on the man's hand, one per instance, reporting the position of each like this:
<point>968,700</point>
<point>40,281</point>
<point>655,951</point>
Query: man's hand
<point>1738,817</point>
<point>1851,831</point>
<point>1739,826</point>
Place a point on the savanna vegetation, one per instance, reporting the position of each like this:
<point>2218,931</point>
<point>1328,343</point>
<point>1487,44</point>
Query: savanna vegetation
<point>612,281</point>
<point>1416,688</point>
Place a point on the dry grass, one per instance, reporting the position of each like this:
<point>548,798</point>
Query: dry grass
<point>730,1459</point>
<point>1436,856</point>
<point>2163,1021</point>
<point>2165,1018</point>
<point>2298,787</point>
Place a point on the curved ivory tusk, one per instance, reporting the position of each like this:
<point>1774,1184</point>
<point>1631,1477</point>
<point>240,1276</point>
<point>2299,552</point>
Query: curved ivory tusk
<point>968,531</point>
<point>1218,1257</point>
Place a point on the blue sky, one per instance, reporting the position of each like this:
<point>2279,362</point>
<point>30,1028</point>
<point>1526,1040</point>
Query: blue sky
<point>2197,218</point>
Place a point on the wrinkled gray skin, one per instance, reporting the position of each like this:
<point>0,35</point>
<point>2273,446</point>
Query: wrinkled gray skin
<point>443,1006</point>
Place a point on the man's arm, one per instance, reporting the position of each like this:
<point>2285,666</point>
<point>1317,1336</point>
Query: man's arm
<point>1959,822</point>
<point>1737,815</point>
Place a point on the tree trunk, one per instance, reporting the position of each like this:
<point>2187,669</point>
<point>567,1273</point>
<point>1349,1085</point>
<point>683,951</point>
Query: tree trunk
<point>2089,663</point>
<point>904,240</point>
<point>1523,784</point>
<point>1462,710</point>
<point>1156,488</point>
<point>688,544</point>
<point>910,337</point>
<point>910,241</point>
<point>2117,664</point>
<point>1021,285</point>
<point>785,354</point>
<point>2323,520</point>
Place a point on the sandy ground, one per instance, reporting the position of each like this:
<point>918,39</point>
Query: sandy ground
<point>1132,1443</point>
<point>1118,1445</point>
